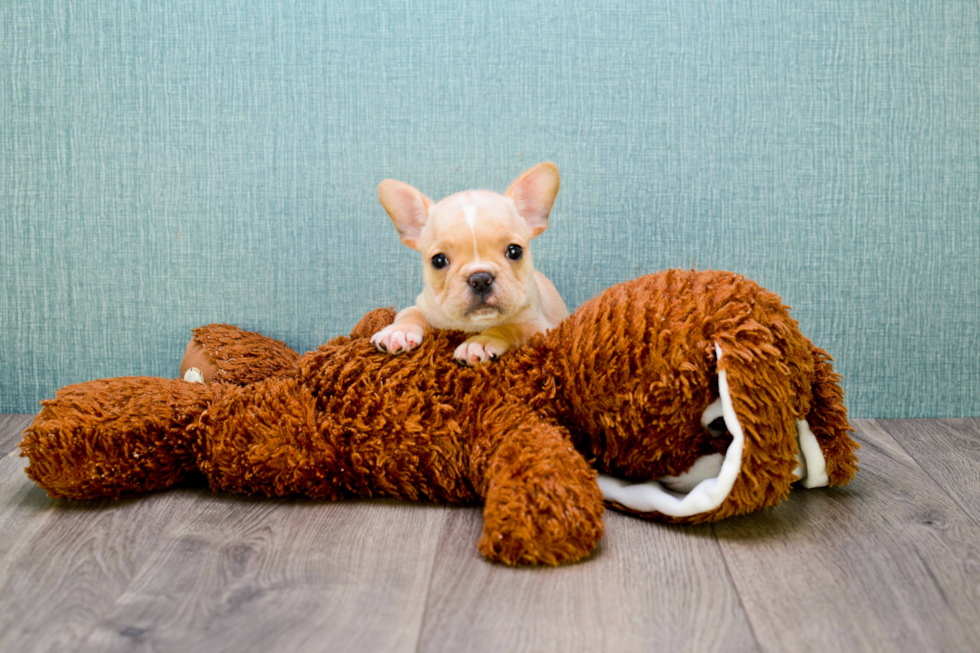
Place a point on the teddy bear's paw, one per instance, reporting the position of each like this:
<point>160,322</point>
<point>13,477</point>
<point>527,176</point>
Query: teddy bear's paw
<point>193,375</point>
<point>540,513</point>
<point>398,338</point>
<point>480,349</point>
<point>534,540</point>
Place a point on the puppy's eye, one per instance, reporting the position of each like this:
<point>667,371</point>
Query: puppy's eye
<point>515,252</point>
<point>439,261</point>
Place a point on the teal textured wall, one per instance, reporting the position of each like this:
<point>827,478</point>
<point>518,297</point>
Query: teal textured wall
<point>168,164</point>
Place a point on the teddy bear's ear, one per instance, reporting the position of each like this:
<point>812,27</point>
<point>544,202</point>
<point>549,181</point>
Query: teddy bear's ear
<point>770,449</point>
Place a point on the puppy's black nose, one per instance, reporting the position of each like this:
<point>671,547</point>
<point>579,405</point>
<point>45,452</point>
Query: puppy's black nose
<point>481,282</point>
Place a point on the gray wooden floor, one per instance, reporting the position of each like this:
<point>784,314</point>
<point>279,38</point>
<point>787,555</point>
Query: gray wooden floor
<point>890,563</point>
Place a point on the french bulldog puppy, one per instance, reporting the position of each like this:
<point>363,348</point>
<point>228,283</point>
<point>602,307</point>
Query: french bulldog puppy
<point>477,266</point>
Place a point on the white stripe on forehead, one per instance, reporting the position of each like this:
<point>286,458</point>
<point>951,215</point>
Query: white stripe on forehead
<point>469,212</point>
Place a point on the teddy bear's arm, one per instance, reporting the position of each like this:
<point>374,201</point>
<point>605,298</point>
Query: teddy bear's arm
<point>542,502</point>
<point>115,437</point>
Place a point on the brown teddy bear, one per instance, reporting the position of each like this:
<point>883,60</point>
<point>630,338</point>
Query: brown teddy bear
<point>694,394</point>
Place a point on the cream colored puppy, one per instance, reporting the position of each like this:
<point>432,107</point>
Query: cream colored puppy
<point>476,265</point>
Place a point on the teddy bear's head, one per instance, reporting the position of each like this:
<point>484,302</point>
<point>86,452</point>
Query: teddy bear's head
<point>683,377</point>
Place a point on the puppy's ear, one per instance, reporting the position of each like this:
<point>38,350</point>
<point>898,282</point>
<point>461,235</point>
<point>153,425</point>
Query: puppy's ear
<point>534,192</point>
<point>407,208</point>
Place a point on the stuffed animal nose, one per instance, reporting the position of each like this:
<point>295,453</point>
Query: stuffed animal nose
<point>480,282</point>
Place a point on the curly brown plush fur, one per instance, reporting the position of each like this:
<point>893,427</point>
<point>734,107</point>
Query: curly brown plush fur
<point>621,384</point>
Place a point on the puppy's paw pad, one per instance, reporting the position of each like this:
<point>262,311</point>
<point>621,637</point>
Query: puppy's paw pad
<point>398,338</point>
<point>480,349</point>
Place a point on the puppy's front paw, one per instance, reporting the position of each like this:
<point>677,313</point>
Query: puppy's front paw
<point>398,338</point>
<point>480,349</point>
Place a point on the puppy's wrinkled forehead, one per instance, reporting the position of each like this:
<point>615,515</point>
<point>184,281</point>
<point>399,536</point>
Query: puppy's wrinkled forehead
<point>477,210</point>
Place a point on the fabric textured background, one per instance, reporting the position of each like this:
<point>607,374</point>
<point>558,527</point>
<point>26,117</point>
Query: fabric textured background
<point>168,164</point>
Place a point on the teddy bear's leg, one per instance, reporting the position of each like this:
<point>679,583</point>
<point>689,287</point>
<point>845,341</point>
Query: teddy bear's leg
<point>114,437</point>
<point>196,366</point>
<point>265,438</point>
<point>224,353</point>
<point>542,502</point>
<point>828,421</point>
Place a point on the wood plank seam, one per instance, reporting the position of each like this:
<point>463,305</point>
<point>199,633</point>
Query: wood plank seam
<point>428,586</point>
<point>735,587</point>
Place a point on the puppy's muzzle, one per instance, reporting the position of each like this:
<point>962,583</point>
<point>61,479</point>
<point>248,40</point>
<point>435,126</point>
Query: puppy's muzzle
<point>481,283</point>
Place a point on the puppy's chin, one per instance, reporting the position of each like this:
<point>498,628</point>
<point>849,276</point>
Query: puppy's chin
<point>477,315</point>
<point>484,313</point>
